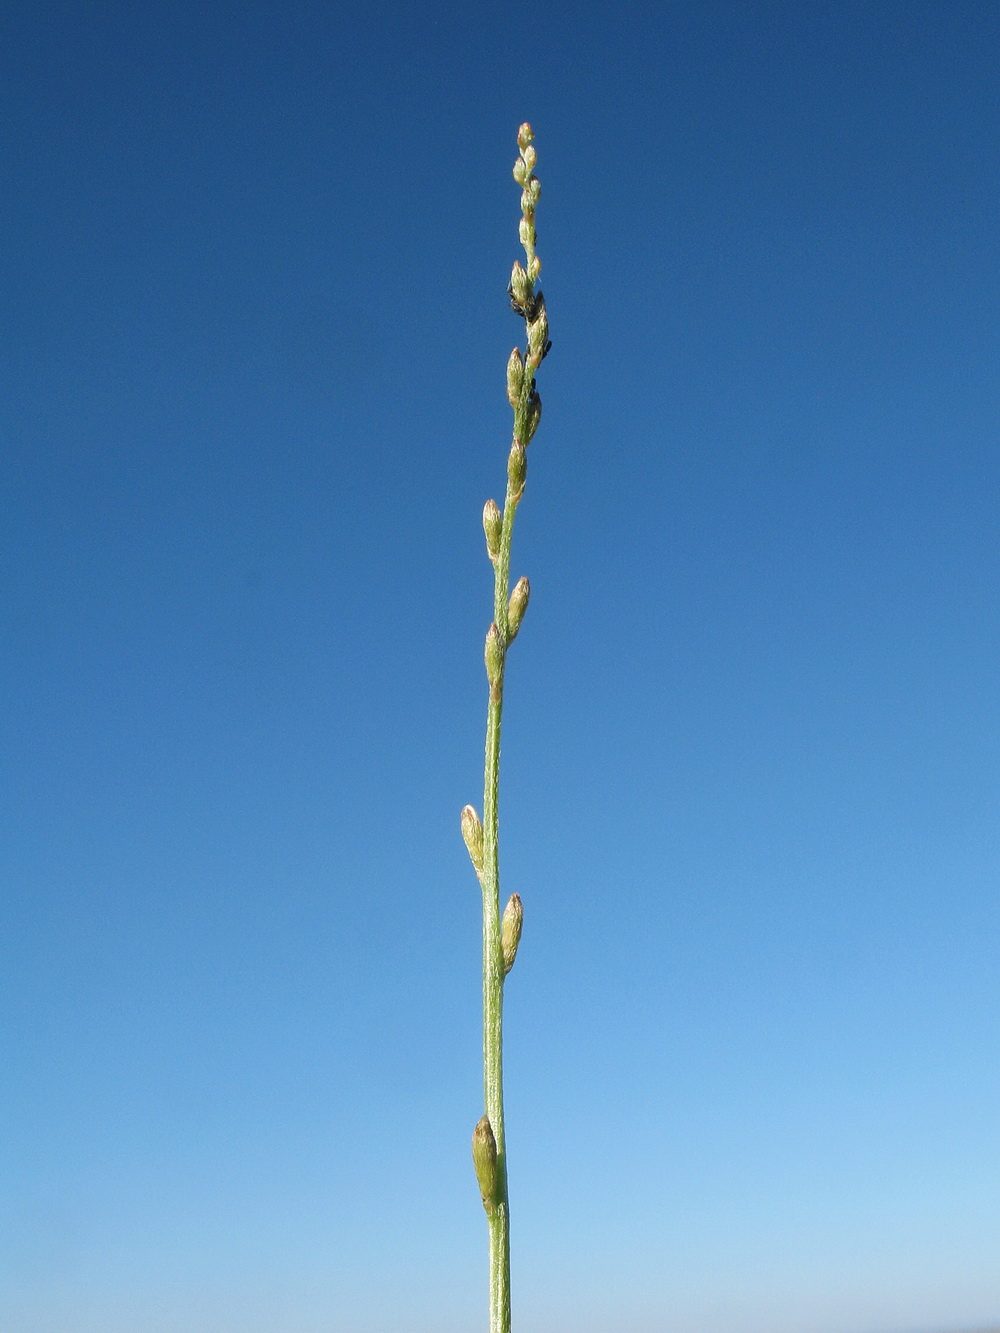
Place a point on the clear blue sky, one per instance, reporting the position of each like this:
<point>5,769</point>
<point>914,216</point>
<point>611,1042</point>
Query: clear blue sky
<point>254,335</point>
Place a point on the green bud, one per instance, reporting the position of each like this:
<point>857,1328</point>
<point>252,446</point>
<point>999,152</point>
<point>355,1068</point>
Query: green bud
<point>517,469</point>
<point>516,607</point>
<point>530,158</point>
<point>525,135</point>
<point>538,329</point>
<point>525,231</point>
<point>521,171</point>
<point>484,1159</point>
<point>515,378</point>
<point>472,834</point>
<point>520,284</point>
<point>534,416</point>
<point>494,655</point>
<point>510,931</point>
<point>534,268</point>
<point>492,526</point>
<point>538,336</point>
<point>533,190</point>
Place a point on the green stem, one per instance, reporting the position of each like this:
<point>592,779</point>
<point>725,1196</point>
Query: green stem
<point>483,840</point>
<point>493,970</point>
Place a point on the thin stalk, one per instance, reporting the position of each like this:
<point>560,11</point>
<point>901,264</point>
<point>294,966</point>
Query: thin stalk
<point>502,934</point>
<point>493,967</point>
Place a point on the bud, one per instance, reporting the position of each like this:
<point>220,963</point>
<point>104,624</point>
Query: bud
<point>525,135</point>
<point>515,377</point>
<point>534,415</point>
<point>494,655</point>
<point>533,190</point>
<point>492,526</point>
<point>530,158</point>
<point>516,607</point>
<point>538,333</point>
<point>517,469</point>
<point>510,931</point>
<point>520,284</point>
<point>525,232</point>
<point>534,268</point>
<point>472,834</point>
<point>521,172</point>
<point>484,1159</point>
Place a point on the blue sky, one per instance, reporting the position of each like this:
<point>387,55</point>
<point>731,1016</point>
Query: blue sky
<point>255,329</point>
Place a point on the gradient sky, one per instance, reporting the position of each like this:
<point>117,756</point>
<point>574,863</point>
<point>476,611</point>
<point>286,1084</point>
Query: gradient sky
<point>254,335</point>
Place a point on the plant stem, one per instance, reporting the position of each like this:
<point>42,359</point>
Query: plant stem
<point>493,968</point>
<point>501,935</point>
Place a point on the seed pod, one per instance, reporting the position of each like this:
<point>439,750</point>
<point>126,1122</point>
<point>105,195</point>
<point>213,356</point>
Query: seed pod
<point>516,607</point>
<point>494,655</point>
<point>515,378</point>
<point>472,834</point>
<point>484,1159</point>
<point>510,931</point>
<point>493,527</point>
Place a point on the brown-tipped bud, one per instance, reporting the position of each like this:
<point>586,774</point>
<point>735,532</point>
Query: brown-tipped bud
<point>517,469</point>
<point>510,931</point>
<point>525,135</point>
<point>494,655</point>
<point>492,526</point>
<point>484,1159</point>
<point>534,415</point>
<point>530,158</point>
<point>515,378</point>
<point>520,285</point>
<point>516,607</point>
<point>521,171</point>
<point>472,835</point>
